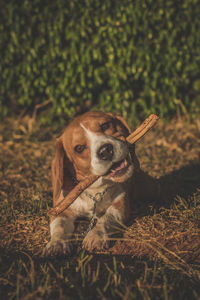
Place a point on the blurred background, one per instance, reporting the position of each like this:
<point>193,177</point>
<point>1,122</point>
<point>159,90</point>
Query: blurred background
<point>61,58</point>
<point>66,57</point>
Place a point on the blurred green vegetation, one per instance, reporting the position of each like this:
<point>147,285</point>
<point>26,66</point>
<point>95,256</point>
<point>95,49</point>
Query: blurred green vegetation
<point>135,57</point>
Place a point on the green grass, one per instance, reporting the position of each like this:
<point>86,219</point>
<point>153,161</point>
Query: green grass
<point>160,254</point>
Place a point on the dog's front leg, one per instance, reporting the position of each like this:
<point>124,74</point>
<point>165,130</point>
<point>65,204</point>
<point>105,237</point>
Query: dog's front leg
<point>106,226</point>
<point>61,229</point>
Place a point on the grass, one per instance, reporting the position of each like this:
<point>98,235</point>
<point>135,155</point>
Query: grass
<point>159,255</point>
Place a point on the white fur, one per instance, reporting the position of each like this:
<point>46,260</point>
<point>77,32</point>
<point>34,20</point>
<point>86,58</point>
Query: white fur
<point>82,208</point>
<point>112,211</point>
<point>62,228</point>
<point>61,231</point>
<point>120,151</point>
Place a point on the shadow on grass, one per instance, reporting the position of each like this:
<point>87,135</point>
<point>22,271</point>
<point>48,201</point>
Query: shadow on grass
<point>183,182</point>
<point>67,275</point>
<point>180,183</point>
<point>112,275</point>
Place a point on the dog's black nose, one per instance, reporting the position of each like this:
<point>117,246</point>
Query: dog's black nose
<point>106,152</point>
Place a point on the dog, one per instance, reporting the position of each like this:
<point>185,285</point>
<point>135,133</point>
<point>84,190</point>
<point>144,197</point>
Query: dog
<point>95,143</point>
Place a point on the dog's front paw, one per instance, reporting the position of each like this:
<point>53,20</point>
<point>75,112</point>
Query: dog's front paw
<point>96,240</point>
<point>57,248</point>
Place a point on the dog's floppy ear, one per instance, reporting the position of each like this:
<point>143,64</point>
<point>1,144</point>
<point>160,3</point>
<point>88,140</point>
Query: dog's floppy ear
<point>122,122</point>
<point>62,171</point>
<point>121,119</point>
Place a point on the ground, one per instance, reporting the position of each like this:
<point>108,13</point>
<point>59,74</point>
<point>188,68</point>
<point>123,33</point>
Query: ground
<point>159,255</point>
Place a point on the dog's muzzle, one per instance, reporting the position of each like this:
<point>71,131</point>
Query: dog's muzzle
<point>105,152</point>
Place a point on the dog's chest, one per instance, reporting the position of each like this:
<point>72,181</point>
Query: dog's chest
<point>84,205</point>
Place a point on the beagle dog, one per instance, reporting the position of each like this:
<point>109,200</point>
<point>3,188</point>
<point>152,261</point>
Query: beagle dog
<point>95,143</point>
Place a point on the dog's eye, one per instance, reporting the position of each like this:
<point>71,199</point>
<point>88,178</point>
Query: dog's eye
<point>79,148</point>
<point>105,126</point>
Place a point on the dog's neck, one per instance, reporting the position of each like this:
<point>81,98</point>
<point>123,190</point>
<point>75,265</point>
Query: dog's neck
<point>100,185</point>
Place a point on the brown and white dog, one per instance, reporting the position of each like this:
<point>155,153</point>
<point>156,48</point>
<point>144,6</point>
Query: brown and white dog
<point>95,143</point>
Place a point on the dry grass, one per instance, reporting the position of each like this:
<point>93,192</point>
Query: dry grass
<point>173,233</point>
<point>164,237</point>
<point>172,150</point>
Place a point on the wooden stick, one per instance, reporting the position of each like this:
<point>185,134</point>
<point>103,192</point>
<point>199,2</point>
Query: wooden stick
<point>142,129</point>
<point>71,197</point>
<point>80,187</point>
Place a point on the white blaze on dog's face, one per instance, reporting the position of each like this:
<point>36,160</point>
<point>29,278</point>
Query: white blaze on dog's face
<point>95,144</point>
<point>109,156</point>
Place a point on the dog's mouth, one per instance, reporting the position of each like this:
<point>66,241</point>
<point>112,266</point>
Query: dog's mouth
<point>119,168</point>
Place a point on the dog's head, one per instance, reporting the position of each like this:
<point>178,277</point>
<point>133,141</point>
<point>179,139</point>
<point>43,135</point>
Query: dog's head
<point>94,143</point>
